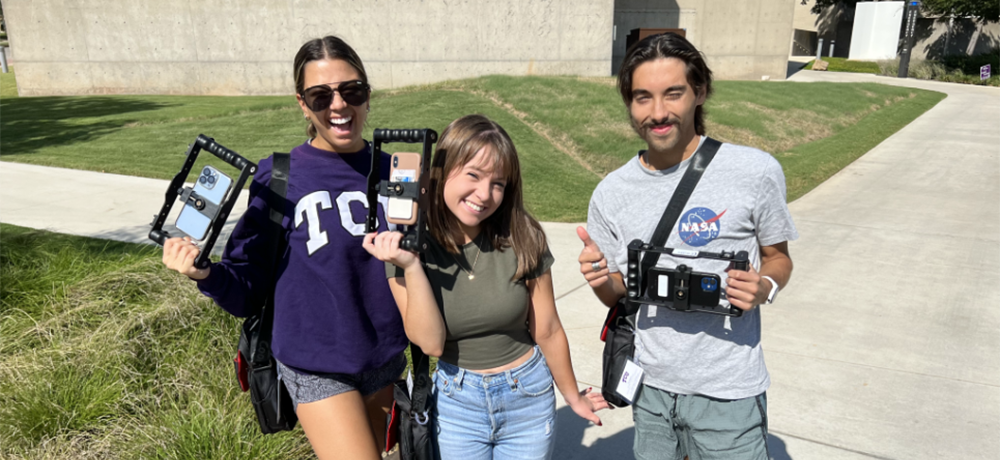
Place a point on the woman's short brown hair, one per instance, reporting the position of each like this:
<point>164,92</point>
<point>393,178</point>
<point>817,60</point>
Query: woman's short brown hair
<point>510,226</point>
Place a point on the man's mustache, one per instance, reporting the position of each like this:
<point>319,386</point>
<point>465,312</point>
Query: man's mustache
<point>665,121</point>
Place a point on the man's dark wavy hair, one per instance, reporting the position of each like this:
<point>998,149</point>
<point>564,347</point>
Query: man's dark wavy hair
<point>668,45</point>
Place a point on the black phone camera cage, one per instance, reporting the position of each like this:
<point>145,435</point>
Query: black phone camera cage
<point>414,238</point>
<point>177,191</point>
<point>680,287</point>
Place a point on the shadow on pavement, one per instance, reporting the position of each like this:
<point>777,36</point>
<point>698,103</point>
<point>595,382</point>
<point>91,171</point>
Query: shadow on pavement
<point>569,440</point>
<point>776,448</point>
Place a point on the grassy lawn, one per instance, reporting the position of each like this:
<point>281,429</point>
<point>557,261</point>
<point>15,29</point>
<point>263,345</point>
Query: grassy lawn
<point>569,131</point>
<point>846,65</point>
<point>802,124</point>
<point>107,355</point>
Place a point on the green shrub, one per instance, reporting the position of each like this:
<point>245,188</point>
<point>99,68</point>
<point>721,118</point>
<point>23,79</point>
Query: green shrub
<point>948,70</point>
<point>970,65</point>
<point>927,70</point>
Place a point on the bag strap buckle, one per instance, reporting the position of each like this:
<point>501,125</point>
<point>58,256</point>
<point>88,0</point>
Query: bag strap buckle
<point>423,418</point>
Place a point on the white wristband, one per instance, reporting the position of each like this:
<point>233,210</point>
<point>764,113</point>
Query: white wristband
<point>774,290</point>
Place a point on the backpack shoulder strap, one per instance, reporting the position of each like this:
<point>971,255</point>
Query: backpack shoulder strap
<point>422,383</point>
<point>275,237</point>
<point>279,182</point>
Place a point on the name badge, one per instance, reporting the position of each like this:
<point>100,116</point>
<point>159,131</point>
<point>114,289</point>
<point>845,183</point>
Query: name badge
<point>628,385</point>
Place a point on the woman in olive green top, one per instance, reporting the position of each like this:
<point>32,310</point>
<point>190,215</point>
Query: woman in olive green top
<point>481,300</point>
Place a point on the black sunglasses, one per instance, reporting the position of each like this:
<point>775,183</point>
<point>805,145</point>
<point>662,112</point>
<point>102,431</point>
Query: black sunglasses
<point>318,98</point>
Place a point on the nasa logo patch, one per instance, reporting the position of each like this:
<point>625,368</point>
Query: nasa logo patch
<point>699,226</point>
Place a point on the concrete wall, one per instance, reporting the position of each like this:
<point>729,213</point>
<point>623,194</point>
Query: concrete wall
<point>804,19</point>
<point>967,37</point>
<point>745,39</point>
<point>234,47</point>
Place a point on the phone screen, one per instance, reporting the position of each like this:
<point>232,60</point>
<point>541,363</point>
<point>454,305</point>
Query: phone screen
<point>212,185</point>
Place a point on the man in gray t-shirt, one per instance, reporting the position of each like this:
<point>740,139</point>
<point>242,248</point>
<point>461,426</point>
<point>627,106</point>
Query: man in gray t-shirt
<point>704,377</point>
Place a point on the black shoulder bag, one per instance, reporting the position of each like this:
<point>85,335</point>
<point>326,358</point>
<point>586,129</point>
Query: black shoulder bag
<point>409,422</point>
<point>618,332</point>
<point>256,368</point>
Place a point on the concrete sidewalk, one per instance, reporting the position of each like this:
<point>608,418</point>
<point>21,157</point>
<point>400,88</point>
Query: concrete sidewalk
<point>885,344</point>
<point>86,203</point>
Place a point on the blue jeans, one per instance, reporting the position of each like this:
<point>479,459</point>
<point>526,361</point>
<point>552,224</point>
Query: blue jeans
<point>508,415</point>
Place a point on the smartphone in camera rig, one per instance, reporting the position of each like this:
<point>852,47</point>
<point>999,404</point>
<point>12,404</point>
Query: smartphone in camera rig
<point>211,189</point>
<point>668,285</point>
<point>405,169</point>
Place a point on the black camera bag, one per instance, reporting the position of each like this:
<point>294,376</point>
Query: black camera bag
<point>409,422</point>
<point>618,332</point>
<point>270,398</point>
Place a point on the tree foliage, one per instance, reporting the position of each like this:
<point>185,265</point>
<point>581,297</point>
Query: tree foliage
<point>984,10</point>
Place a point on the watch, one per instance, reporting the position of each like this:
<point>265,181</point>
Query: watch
<point>774,290</point>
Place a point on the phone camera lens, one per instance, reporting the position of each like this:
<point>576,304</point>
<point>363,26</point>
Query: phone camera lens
<point>202,180</point>
<point>211,179</point>
<point>709,284</point>
<point>395,162</point>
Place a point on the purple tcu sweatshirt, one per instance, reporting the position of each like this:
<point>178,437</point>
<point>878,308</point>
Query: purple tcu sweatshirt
<point>333,312</point>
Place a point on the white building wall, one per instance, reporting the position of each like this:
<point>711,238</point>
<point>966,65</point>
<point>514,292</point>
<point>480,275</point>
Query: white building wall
<point>232,47</point>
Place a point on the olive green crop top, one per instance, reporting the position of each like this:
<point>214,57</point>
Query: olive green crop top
<point>487,317</point>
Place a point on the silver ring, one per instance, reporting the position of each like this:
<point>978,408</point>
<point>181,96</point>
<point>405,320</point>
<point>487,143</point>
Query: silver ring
<point>596,266</point>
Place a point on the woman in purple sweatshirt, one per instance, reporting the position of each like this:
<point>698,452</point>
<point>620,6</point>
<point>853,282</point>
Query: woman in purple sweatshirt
<point>338,337</point>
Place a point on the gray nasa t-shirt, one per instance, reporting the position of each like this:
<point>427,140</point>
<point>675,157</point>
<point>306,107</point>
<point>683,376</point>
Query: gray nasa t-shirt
<point>739,205</point>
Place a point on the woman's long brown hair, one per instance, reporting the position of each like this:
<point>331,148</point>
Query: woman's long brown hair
<point>510,226</point>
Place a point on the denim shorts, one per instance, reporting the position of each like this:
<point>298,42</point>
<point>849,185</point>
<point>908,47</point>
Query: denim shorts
<point>674,426</point>
<point>306,388</point>
<point>507,415</point>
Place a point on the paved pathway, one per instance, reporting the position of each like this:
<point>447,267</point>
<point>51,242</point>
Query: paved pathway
<point>885,345</point>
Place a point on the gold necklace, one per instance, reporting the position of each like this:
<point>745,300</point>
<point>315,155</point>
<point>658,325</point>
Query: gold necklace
<point>471,272</point>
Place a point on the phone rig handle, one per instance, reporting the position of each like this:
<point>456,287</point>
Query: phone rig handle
<point>232,158</point>
<point>177,191</point>
<point>409,136</point>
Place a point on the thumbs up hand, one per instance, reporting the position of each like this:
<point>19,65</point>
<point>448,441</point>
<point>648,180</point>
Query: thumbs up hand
<point>593,265</point>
